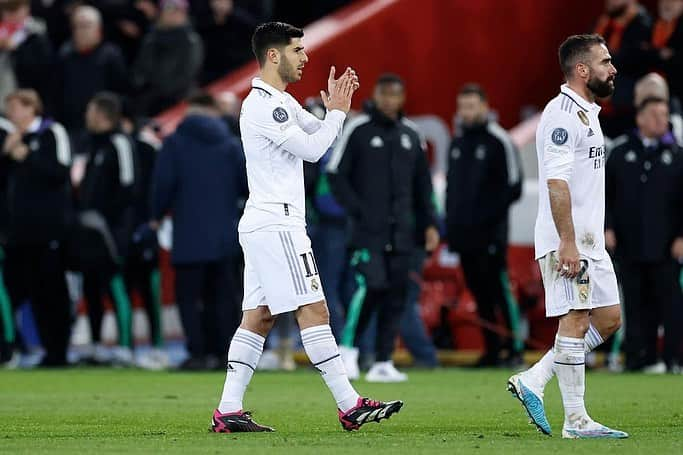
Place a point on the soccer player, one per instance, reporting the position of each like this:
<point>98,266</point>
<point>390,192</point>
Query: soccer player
<point>280,273</point>
<point>579,280</point>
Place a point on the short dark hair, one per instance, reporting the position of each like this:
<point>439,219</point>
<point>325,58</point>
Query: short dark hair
<point>575,49</point>
<point>650,100</point>
<point>27,97</point>
<point>109,104</point>
<point>272,34</point>
<point>390,78</point>
<point>202,98</point>
<point>473,89</point>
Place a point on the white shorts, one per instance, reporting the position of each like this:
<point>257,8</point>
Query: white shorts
<point>280,271</point>
<point>595,287</point>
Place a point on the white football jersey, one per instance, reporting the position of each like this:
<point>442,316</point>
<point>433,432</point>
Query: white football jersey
<point>278,135</point>
<point>570,146</point>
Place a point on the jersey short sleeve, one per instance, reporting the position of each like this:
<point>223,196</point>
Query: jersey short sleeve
<point>274,121</point>
<point>560,140</point>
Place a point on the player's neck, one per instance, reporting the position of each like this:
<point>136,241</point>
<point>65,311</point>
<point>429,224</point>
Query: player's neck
<point>273,79</point>
<point>582,91</point>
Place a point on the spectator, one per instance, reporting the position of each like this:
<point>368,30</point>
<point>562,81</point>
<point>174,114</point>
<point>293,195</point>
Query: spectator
<point>226,32</point>
<point>644,194</point>
<point>327,230</point>
<point>230,106</point>
<point>484,179</point>
<point>129,21</point>
<point>169,60</point>
<point>198,178</point>
<point>140,269</point>
<point>652,85</point>
<point>379,173</point>
<point>26,56</point>
<point>88,65</point>
<point>36,158</point>
<point>626,26</point>
<point>105,198</point>
<point>667,44</point>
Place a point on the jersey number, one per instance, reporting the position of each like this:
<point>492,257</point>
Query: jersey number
<point>311,267</point>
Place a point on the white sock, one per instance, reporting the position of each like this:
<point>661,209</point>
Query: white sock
<point>570,367</point>
<point>540,373</point>
<point>543,371</point>
<point>323,352</point>
<point>243,356</point>
<point>593,339</point>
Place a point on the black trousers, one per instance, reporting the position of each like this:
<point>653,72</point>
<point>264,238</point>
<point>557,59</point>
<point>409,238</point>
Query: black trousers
<point>652,296</point>
<point>137,274</point>
<point>483,275</point>
<point>385,276</point>
<point>36,272</point>
<point>96,286</point>
<point>208,308</point>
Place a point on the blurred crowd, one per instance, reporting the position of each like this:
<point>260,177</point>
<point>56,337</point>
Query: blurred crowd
<point>86,185</point>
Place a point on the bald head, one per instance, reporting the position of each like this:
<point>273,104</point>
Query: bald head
<point>86,27</point>
<point>651,85</point>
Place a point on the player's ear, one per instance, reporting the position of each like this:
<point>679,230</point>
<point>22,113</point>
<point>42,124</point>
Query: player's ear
<point>582,69</point>
<point>273,55</point>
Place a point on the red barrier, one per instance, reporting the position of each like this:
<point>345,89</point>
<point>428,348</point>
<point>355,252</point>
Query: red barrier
<point>437,46</point>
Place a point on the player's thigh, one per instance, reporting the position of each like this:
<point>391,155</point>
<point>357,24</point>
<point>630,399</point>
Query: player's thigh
<point>253,296</point>
<point>286,269</point>
<point>562,294</point>
<point>604,286</point>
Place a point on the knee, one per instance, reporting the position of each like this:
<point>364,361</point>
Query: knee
<point>575,324</point>
<point>260,322</point>
<point>313,315</point>
<point>612,325</point>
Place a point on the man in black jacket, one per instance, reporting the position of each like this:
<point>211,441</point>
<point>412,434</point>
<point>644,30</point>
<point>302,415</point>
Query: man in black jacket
<point>644,196</point>
<point>484,179</point>
<point>105,199</point>
<point>26,56</point>
<point>199,176</point>
<point>36,157</point>
<point>379,173</point>
<point>169,59</point>
<point>87,65</point>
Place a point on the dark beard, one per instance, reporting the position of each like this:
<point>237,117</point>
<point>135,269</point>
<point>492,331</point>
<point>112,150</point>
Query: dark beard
<point>287,72</point>
<point>601,89</point>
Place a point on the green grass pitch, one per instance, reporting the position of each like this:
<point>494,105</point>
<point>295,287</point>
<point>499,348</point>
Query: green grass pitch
<point>85,411</point>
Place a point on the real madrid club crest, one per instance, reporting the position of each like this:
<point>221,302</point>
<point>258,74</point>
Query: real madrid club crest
<point>667,157</point>
<point>583,281</point>
<point>314,284</point>
<point>583,117</point>
<point>630,157</point>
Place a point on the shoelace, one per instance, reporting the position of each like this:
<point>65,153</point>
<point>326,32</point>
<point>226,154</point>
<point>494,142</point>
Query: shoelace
<point>369,402</point>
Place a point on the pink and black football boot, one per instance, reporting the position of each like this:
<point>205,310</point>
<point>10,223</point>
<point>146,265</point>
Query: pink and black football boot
<point>235,422</point>
<point>367,410</point>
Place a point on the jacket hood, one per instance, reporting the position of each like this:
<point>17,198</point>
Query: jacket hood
<point>209,130</point>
